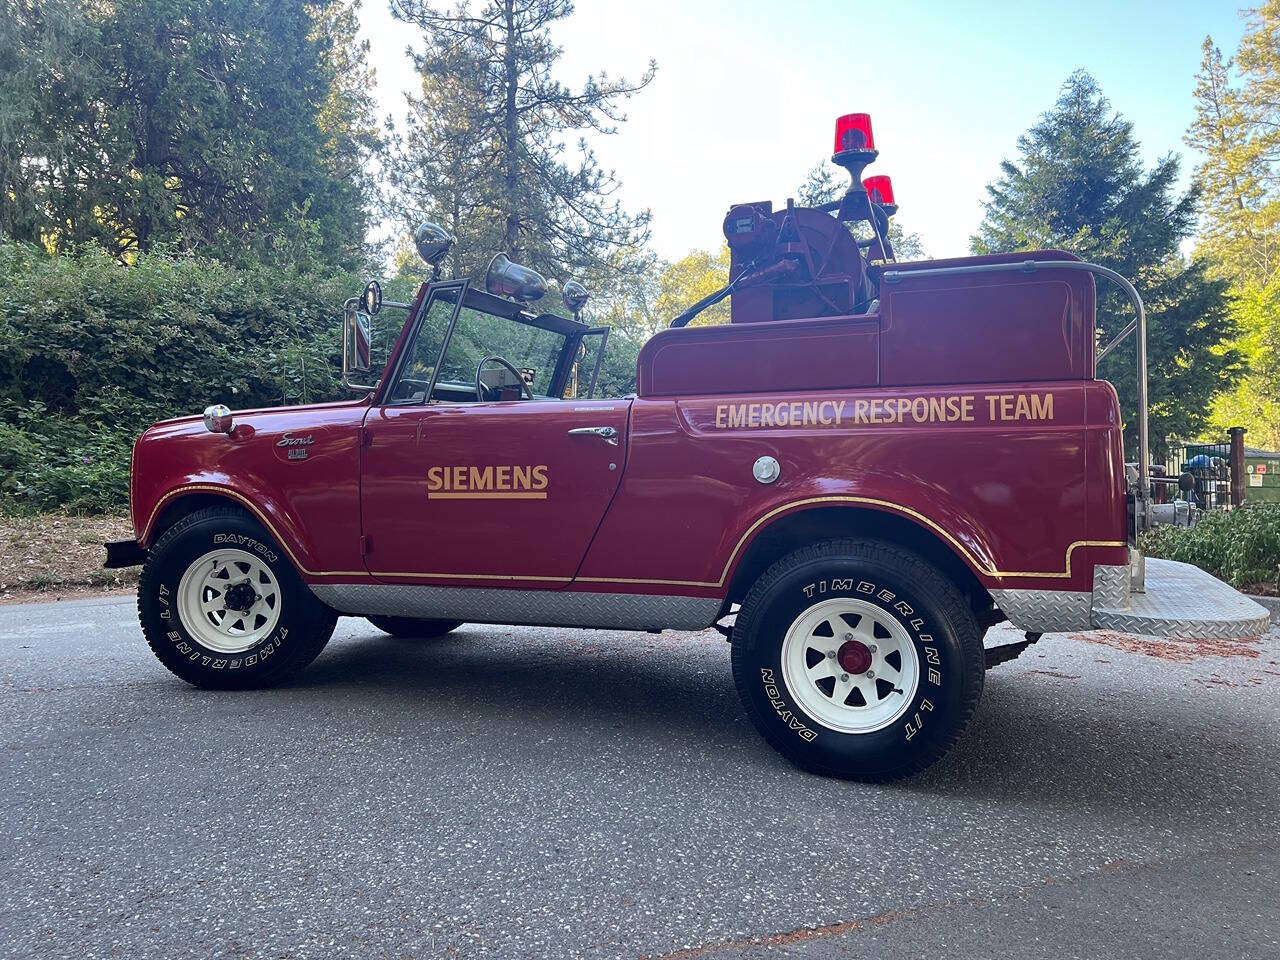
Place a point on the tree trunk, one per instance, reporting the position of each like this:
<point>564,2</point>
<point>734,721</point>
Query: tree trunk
<point>511,237</point>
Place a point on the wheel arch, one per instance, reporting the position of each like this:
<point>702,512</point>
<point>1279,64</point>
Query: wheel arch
<point>796,528</point>
<point>182,501</point>
<point>172,510</point>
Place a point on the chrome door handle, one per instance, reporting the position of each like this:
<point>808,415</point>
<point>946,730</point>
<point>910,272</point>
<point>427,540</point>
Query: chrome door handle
<point>608,434</point>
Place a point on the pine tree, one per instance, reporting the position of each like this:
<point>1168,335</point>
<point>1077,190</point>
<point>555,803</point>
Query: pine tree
<point>1079,185</point>
<point>192,124</point>
<point>1237,129</point>
<point>484,154</point>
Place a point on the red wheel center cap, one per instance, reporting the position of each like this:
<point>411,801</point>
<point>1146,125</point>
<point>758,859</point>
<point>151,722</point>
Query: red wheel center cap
<point>854,657</point>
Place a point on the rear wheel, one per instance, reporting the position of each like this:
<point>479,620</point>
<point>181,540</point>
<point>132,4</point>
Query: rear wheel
<point>222,607</point>
<point>414,627</point>
<point>857,659</point>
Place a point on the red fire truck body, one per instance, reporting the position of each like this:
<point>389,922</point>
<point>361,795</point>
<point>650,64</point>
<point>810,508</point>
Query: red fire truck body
<point>850,408</point>
<point>870,466</point>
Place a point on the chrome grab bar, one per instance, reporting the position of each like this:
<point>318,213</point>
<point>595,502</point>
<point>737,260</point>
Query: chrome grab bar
<point>1138,323</point>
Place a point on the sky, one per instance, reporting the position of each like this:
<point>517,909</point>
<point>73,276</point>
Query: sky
<point>746,94</point>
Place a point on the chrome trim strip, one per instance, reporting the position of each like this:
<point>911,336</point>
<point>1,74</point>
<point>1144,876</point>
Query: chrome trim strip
<point>548,608</point>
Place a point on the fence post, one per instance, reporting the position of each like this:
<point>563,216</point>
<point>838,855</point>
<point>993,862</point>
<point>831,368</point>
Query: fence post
<point>1237,465</point>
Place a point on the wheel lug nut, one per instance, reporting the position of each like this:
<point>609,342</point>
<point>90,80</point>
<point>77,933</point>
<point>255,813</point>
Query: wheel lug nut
<point>848,636</point>
<point>872,648</point>
<point>831,654</point>
<point>871,674</point>
<point>844,677</point>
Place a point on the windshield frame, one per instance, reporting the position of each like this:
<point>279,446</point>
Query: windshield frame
<point>572,331</point>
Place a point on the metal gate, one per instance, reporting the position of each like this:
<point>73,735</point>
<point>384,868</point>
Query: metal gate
<point>1210,466</point>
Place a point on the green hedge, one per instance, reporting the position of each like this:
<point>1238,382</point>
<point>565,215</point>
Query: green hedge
<point>1240,546</point>
<point>91,352</point>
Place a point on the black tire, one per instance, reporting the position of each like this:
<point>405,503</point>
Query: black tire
<point>303,627</point>
<point>413,627</point>
<point>926,605</point>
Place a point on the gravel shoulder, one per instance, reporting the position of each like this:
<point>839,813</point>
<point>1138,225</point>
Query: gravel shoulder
<point>59,556</point>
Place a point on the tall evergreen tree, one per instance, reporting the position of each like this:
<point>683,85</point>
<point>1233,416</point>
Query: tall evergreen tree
<point>485,152</point>
<point>190,123</point>
<point>1237,130</point>
<point>1079,185</point>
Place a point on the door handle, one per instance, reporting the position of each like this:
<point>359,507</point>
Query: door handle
<point>608,434</point>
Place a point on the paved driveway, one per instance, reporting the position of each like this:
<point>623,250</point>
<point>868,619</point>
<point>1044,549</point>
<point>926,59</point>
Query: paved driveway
<point>520,792</point>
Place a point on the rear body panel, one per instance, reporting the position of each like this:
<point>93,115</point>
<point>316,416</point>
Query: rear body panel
<point>689,504</point>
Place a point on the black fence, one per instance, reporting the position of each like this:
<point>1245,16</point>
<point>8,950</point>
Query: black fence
<point>1210,466</point>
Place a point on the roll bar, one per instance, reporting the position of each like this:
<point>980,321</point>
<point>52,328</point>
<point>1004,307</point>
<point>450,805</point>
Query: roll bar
<point>1138,323</point>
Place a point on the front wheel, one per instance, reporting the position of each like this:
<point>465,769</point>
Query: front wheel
<point>857,659</point>
<point>223,608</point>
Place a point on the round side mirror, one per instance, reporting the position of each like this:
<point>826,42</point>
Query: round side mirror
<point>372,298</point>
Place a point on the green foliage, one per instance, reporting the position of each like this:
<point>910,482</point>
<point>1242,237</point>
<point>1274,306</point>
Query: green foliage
<point>1255,403</point>
<point>1236,129</point>
<point>186,124</point>
<point>1079,185</point>
<point>1241,546</point>
<point>91,352</point>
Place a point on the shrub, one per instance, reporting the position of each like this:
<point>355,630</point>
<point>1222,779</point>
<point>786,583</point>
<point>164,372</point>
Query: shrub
<point>91,352</point>
<point>1241,546</point>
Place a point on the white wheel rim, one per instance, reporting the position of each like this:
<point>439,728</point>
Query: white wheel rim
<point>228,600</point>
<point>816,675</point>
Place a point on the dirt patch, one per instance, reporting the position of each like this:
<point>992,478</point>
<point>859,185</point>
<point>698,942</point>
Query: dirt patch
<point>1179,651</point>
<point>53,556</point>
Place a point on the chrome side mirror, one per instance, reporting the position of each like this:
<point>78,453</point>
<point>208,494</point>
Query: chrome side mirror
<point>357,342</point>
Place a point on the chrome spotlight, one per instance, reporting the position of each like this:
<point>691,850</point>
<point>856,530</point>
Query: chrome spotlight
<point>217,418</point>
<point>433,242</point>
<point>574,296</point>
<point>507,279</point>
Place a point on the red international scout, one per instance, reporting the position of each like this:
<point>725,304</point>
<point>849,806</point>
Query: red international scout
<point>871,465</point>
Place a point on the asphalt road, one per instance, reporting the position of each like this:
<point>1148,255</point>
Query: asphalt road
<point>519,792</point>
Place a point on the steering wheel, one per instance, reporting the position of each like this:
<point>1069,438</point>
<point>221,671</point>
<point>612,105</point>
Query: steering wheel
<point>480,387</point>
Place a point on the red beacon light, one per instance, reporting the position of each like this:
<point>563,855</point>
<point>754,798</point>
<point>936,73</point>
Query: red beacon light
<point>853,132</point>
<point>880,190</point>
<point>855,144</point>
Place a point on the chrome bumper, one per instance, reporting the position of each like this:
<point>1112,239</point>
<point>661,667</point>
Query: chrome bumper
<point>1180,601</point>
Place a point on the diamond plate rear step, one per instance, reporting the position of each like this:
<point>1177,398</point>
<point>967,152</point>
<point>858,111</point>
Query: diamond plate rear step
<point>1185,602</point>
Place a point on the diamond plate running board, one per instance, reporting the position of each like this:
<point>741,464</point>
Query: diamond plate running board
<point>1182,601</point>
